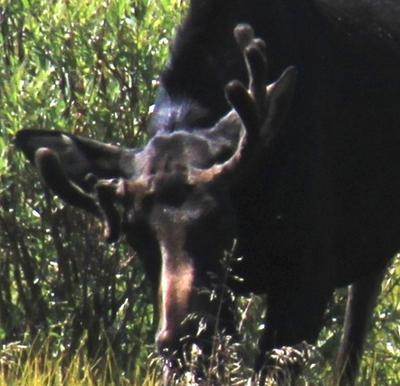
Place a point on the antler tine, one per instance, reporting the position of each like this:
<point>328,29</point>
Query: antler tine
<point>255,56</point>
<point>244,34</point>
<point>243,104</point>
<point>106,194</point>
<point>257,62</point>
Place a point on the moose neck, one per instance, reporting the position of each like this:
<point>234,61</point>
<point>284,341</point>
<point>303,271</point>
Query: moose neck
<point>204,60</point>
<point>192,99</point>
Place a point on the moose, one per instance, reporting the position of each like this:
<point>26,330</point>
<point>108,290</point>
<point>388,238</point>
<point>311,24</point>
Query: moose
<point>277,127</point>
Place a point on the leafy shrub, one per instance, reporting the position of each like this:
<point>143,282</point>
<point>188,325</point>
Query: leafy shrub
<point>90,68</point>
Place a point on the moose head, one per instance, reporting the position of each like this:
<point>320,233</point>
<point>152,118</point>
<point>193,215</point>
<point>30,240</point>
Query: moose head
<point>172,198</point>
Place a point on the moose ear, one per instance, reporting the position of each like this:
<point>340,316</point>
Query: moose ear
<point>77,156</point>
<point>66,161</point>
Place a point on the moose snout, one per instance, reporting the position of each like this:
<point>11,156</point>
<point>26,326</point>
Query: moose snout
<point>165,342</point>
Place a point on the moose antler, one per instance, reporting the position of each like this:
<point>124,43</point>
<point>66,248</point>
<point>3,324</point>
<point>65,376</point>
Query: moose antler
<point>107,192</point>
<point>258,110</point>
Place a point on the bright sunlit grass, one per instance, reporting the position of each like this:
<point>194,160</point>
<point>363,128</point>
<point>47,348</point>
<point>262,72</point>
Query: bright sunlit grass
<point>20,366</point>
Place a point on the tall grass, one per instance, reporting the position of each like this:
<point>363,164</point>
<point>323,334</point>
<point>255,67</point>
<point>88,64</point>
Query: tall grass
<point>230,364</point>
<point>31,365</point>
<point>41,368</point>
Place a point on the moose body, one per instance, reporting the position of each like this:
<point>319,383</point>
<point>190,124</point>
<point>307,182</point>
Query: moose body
<point>301,174</point>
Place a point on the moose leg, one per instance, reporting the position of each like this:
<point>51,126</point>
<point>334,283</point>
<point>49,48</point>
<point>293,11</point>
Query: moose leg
<point>361,300</point>
<point>294,315</point>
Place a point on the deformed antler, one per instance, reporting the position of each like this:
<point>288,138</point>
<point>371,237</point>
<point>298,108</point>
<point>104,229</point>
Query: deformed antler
<point>258,110</point>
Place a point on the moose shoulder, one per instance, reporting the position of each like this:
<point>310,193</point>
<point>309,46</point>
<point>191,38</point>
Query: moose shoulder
<point>298,166</point>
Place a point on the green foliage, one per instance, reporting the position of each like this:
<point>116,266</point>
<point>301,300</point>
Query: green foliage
<point>90,67</point>
<point>82,66</point>
<point>41,368</point>
<point>381,360</point>
<point>382,357</point>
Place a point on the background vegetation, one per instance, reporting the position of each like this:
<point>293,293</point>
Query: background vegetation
<point>74,310</point>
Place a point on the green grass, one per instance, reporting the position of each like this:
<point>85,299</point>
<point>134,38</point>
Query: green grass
<point>27,365</point>
<point>40,368</point>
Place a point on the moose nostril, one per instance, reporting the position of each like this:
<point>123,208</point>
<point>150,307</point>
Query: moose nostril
<point>164,341</point>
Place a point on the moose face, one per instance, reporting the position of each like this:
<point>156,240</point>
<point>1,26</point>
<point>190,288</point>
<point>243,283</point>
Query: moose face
<point>180,225</point>
<point>172,199</point>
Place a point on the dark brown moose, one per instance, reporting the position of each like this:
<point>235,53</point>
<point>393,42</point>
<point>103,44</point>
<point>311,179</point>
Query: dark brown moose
<point>299,167</point>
